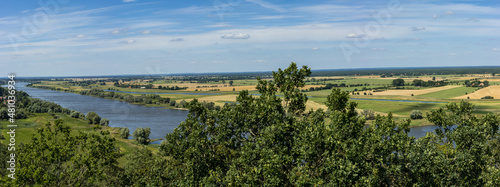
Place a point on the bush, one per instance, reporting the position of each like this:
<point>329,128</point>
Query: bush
<point>487,97</point>
<point>75,114</point>
<point>416,114</point>
<point>141,135</point>
<point>104,122</point>
<point>172,103</point>
<point>93,118</point>
<point>369,114</point>
<point>124,133</point>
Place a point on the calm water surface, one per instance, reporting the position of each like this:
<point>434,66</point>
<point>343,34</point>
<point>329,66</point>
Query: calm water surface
<point>122,114</point>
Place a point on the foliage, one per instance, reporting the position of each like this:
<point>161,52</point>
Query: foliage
<point>141,135</point>
<point>53,157</point>
<point>124,133</point>
<point>93,118</point>
<point>429,83</point>
<point>416,114</point>
<point>476,83</point>
<point>143,168</point>
<point>487,97</point>
<point>104,122</point>
<point>369,114</point>
<point>398,82</point>
<point>75,114</point>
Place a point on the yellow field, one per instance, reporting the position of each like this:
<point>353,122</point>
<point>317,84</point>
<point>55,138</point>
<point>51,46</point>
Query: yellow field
<point>314,105</point>
<point>414,92</point>
<point>327,77</point>
<point>491,80</point>
<point>493,91</point>
<point>217,98</point>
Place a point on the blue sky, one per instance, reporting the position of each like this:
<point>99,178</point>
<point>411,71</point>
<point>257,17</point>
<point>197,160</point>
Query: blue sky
<point>112,37</point>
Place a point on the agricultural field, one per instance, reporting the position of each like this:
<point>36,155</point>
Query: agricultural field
<point>373,92</point>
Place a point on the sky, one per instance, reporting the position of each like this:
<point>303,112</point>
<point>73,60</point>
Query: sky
<point>116,37</point>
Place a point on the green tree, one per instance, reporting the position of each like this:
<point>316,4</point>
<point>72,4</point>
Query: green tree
<point>398,82</point>
<point>104,122</point>
<point>416,114</point>
<point>141,135</point>
<point>143,168</point>
<point>288,82</point>
<point>93,118</point>
<point>124,133</point>
<point>231,83</point>
<point>75,114</point>
<point>54,157</point>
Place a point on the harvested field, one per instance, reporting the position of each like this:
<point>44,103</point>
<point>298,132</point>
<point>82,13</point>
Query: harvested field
<point>491,80</point>
<point>217,98</point>
<point>327,78</point>
<point>414,92</point>
<point>315,105</point>
<point>493,91</point>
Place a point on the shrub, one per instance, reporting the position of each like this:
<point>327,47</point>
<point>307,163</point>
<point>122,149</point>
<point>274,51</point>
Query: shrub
<point>104,122</point>
<point>487,97</point>
<point>75,114</point>
<point>93,118</point>
<point>124,133</point>
<point>141,135</point>
<point>172,103</point>
<point>416,114</point>
<point>369,114</point>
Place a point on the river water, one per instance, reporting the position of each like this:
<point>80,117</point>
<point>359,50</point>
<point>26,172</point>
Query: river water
<point>122,114</point>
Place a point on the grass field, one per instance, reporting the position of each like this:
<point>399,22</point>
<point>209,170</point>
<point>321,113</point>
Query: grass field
<point>449,93</point>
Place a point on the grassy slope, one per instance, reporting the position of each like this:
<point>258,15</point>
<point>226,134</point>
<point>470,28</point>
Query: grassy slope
<point>28,127</point>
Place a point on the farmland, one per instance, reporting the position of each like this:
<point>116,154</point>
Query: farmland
<point>375,92</point>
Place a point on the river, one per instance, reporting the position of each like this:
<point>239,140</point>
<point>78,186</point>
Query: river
<point>122,114</point>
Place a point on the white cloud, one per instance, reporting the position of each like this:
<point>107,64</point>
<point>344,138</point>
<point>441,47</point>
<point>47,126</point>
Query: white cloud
<point>472,19</point>
<point>177,40</point>
<point>115,31</point>
<point>315,48</point>
<point>355,35</point>
<point>127,1</point>
<point>129,41</point>
<point>417,28</point>
<point>81,36</point>
<point>146,32</point>
<point>435,16</point>
<point>496,49</point>
<point>235,36</point>
<point>275,17</point>
<point>267,5</point>
<point>449,12</point>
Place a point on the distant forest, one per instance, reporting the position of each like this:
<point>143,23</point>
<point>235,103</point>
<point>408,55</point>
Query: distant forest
<point>215,77</point>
